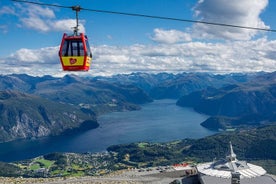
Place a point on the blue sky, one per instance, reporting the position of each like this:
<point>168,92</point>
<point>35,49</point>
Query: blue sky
<point>30,36</point>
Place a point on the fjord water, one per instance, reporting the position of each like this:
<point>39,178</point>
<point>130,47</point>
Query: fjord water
<point>160,121</point>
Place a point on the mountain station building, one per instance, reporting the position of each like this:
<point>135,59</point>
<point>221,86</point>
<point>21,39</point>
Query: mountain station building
<point>232,171</point>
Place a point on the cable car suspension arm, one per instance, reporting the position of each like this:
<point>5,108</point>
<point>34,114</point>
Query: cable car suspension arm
<point>77,9</point>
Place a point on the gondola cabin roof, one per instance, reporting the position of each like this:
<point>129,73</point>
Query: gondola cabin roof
<point>74,53</point>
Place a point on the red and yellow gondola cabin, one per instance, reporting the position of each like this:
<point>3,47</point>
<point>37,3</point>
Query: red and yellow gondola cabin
<point>74,53</point>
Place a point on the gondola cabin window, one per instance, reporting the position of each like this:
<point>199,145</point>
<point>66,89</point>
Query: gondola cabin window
<point>89,53</point>
<point>73,48</point>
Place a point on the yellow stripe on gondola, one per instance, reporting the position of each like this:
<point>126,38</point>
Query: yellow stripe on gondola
<point>75,61</point>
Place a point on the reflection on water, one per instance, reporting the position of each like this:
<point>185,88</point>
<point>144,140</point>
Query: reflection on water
<point>160,121</point>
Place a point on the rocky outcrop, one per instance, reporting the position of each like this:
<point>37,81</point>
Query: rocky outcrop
<point>28,116</point>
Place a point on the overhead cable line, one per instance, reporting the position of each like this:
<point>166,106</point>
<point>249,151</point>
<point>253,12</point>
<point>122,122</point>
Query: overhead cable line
<point>150,16</point>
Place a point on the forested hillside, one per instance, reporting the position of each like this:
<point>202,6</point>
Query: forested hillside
<point>252,145</point>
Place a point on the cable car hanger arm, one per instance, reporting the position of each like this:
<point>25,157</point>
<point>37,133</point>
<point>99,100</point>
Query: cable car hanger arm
<point>78,8</point>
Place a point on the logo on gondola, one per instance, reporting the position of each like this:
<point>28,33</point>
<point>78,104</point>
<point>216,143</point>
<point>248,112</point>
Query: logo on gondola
<point>72,61</point>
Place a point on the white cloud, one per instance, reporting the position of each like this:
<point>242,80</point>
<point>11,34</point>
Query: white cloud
<point>170,36</point>
<point>43,19</point>
<point>37,62</point>
<point>3,28</point>
<point>67,25</point>
<point>238,56</point>
<point>234,12</point>
<point>38,11</point>
<point>7,10</point>
<point>35,23</point>
<point>34,56</point>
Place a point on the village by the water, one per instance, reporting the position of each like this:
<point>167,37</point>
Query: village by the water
<point>228,170</point>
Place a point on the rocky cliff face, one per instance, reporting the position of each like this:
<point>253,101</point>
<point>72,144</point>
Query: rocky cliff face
<point>26,116</point>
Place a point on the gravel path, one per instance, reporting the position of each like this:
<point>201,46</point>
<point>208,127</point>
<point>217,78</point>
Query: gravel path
<point>149,176</point>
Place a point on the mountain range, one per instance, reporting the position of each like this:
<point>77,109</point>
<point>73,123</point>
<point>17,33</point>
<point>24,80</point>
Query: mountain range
<point>237,105</point>
<point>42,106</point>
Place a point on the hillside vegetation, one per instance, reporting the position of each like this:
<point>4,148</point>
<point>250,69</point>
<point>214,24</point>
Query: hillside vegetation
<point>254,144</point>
